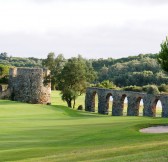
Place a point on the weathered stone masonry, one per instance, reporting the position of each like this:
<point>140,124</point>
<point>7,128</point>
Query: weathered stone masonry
<point>26,85</point>
<point>134,99</point>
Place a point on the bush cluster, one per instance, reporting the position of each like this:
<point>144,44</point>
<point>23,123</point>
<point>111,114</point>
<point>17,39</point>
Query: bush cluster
<point>149,89</point>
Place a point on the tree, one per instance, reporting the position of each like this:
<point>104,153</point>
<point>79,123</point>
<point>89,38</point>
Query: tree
<point>103,74</point>
<point>107,84</point>
<point>55,65</point>
<point>4,73</point>
<point>163,55</point>
<point>74,79</point>
<point>152,89</point>
<point>3,56</point>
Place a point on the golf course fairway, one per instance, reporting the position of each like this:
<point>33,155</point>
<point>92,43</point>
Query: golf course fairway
<point>56,133</point>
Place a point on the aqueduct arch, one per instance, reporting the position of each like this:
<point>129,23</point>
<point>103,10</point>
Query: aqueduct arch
<point>108,108</point>
<point>134,98</point>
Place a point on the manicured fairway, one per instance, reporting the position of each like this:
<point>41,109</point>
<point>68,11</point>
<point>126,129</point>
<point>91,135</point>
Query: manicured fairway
<point>40,133</point>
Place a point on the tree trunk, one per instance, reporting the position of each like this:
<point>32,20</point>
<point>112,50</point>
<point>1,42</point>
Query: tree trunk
<point>52,86</point>
<point>74,104</point>
<point>69,103</point>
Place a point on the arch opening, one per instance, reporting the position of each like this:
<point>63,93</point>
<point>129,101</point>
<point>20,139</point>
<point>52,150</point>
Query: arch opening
<point>109,101</point>
<point>140,106</point>
<point>157,108</point>
<point>124,102</point>
<point>94,102</point>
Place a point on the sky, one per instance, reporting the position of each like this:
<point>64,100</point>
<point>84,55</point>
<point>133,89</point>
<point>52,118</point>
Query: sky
<point>91,28</point>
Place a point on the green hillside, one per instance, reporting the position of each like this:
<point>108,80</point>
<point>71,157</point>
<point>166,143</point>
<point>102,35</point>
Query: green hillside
<point>139,70</point>
<point>54,133</point>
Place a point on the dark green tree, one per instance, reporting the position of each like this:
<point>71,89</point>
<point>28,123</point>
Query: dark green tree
<point>163,55</point>
<point>74,79</point>
<point>3,56</point>
<point>152,89</point>
<point>55,65</point>
<point>4,74</point>
<point>107,84</point>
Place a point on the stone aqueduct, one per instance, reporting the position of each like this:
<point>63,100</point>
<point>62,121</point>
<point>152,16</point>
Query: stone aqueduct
<point>134,98</point>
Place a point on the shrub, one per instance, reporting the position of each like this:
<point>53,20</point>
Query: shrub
<point>133,88</point>
<point>163,88</point>
<point>80,107</point>
<point>151,89</point>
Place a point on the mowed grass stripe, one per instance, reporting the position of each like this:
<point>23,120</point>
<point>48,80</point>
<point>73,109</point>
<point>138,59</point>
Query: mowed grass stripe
<point>112,154</point>
<point>56,133</point>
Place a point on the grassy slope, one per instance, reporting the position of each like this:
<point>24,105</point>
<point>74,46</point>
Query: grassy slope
<point>57,133</point>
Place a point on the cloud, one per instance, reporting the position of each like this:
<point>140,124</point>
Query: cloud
<point>44,1</point>
<point>93,28</point>
<point>128,2</point>
<point>148,2</point>
<point>152,2</point>
<point>99,42</point>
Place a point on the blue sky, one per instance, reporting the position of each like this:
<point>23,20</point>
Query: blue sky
<point>92,28</point>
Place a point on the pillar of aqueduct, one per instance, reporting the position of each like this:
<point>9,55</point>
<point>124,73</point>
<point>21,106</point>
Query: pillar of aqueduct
<point>134,99</point>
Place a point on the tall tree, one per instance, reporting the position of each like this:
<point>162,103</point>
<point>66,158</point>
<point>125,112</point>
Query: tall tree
<point>163,55</point>
<point>74,79</point>
<point>55,65</point>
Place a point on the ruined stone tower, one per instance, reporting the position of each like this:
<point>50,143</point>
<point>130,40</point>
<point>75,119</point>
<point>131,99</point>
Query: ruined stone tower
<point>27,85</point>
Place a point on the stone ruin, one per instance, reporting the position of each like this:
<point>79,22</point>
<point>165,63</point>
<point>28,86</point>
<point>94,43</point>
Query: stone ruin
<point>28,85</point>
<point>134,98</point>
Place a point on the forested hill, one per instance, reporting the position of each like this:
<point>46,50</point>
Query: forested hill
<point>133,70</point>
<point>19,61</point>
<point>99,63</point>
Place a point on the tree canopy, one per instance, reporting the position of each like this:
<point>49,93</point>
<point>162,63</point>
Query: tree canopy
<point>163,55</point>
<point>74,78</point>
<point>137,70</point>
<point>55,65</point>
<point>4,73</point>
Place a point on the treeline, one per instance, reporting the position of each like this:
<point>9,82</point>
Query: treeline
<point>99,63</point>
<point>130,71</point>
<point>137,70</point>
<point>19,61</point>
<point>150,89</point>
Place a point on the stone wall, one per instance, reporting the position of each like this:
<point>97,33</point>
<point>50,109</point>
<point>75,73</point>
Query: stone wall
<point>27,85</point>
<point>5,94</point>
<point>134,98</point>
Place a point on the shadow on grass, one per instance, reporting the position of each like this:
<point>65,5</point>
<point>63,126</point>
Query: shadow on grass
<point>66,110</point>
<point>72,112</point>
<point>9,102</point>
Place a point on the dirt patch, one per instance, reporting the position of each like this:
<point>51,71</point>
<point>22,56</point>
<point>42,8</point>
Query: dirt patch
<point>155,129</point>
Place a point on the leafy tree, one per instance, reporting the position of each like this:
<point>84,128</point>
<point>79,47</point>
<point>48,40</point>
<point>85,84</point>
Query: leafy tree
<point>163,55</point>
<point>3,56</point>
<point>163,88</point>
<point>4,73</point>
<point>74,79</point>
<point>133,88</point>
<point>103,74</point>
<point>152,89</point>
<point>55,65</point>
<point>106,84</point>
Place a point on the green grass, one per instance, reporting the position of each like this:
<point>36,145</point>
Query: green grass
<point>41,133</point>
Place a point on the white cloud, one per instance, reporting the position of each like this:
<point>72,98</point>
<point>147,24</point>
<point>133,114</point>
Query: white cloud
<point>90,27</point>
